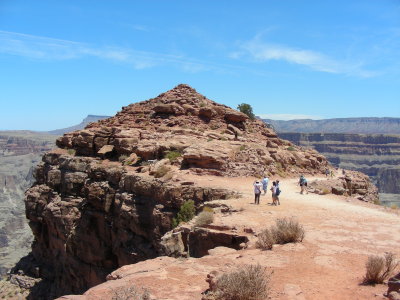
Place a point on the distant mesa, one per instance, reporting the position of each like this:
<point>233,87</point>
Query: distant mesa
<point>339,125</point>
<point>82,125</point>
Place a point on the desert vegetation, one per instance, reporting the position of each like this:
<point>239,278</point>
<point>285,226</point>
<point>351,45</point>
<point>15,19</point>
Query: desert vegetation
<point>173,155</point>
<point>205,217</point>
<point>246,109</point>
<point>185,214</point>
<point>131,293</point>
<point>379,268</point>
<point>285,230</point>
<point>250,282</point>
<point>161,171</point>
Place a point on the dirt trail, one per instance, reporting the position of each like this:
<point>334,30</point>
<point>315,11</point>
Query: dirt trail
<point>340,234</point>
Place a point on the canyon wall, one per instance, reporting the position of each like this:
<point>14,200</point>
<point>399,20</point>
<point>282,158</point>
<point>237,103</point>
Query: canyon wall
<point>339,125</point>
<point>20,152</point>
<point>377,155</point>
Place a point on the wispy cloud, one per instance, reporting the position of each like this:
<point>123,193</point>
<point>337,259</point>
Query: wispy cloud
<point>286,117</point>
<point>261,51</point>
<point>44,48</point>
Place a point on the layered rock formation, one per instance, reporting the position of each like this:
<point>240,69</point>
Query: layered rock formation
<point>339,125</point>
<point>20,151</point>
<point>108,195</point>
<point>351,183</point>
<point>376,155</point>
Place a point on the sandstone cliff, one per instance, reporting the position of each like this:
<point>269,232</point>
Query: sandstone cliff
<point>107,196</point>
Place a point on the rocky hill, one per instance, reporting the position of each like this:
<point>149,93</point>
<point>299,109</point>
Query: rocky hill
<point>108,195</point>
<point>339,125</point>
<point>20,151</point>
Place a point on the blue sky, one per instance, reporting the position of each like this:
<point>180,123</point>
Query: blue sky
<point>62,60</point>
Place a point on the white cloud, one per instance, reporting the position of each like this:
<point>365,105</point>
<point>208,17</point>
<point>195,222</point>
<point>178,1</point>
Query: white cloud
<point>44,48</point>
<point>286,117</point>
<point>263,52</point>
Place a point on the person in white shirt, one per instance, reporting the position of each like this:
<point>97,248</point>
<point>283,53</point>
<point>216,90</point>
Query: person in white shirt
<point>257,191</point>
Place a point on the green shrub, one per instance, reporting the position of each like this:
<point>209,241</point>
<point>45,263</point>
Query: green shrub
<point>185,214</point>
<point>173,155</point>
<point>204,218</point>
<point>210,140</point>
<point>379,268</point>
<point>246,109</point>
<point>291,148</point>
<point>242,148</point>
<point>250,282</point>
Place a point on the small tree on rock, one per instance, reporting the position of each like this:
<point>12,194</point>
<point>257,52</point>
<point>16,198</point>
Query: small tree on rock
<point>246,109</point>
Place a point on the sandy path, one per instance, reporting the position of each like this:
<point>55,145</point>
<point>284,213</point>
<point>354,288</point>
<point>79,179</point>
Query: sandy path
<point>340,234</point>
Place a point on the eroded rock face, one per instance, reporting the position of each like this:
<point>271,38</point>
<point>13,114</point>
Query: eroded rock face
<point>87,224</point>
<point>110,204</point>
<point>352,183</point>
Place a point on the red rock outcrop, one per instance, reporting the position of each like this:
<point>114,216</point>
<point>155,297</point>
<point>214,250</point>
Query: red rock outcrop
<point>352,183</point>
<point>102,202</point>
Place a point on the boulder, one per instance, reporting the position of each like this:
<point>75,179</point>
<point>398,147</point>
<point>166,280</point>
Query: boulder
<point>235,116</point>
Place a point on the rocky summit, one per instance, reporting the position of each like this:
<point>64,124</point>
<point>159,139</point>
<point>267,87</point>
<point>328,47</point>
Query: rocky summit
<point>108,195</point>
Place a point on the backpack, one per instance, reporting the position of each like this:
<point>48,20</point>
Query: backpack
<point>278,191</point>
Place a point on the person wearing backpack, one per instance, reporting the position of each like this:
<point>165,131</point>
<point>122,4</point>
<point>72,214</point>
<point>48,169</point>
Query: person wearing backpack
<point>303,184</point>
<point>275,193</point>
<point>278,192</point>
<point>257,191</point>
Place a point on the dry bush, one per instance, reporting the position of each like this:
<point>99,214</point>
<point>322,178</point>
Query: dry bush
<point>204,218</point>
<point>325,191</point>
<point>379,268</point>
<point>161,171</point>
<point>265,240</point>
<point>251,282</point>
<point>285,230</point>
<point>131,293</point>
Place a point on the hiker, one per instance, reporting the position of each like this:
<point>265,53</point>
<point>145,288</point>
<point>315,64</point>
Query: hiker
<point>265,183</point>
<point>327,172</point>
<point>349,187</point>
<point>303,184</point>
<point>273,190</point>
<point>257,191</point>
<point>275,193</point>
